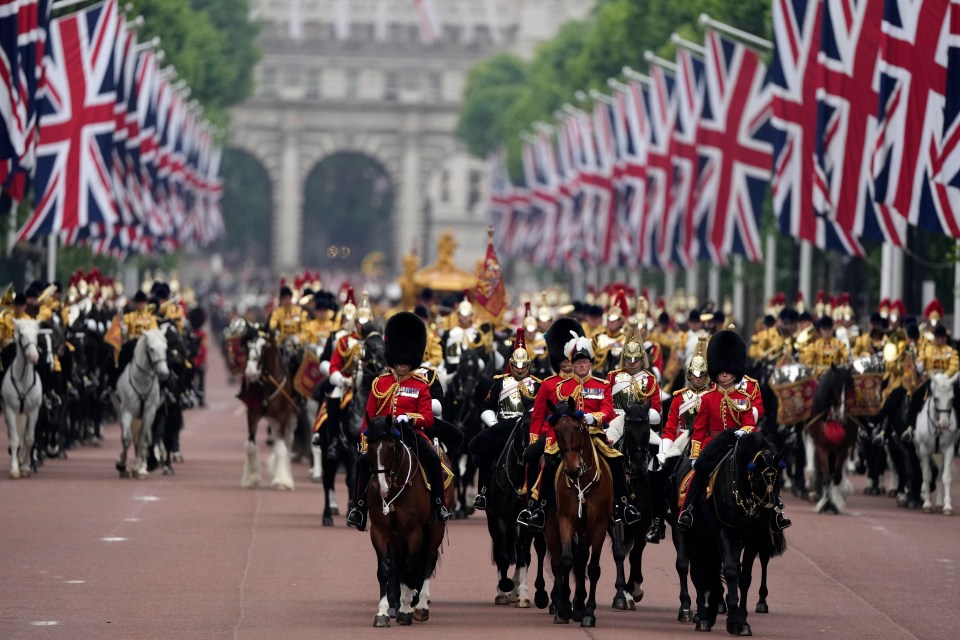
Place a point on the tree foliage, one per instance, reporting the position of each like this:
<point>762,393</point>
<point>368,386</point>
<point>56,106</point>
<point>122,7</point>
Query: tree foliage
<point>506,95</point>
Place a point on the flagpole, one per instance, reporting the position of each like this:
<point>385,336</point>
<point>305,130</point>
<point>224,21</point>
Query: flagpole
<point>806,267</point>
<point>680,41</point>
<point>707,21</point>
<point>738,291</point>
<point>51,257</point>
<point>713,284</point>
<point>770,267</point>
<point>635,75</point>
<point>64,4</point>
<point>653,58</point>
<point>886,266</point>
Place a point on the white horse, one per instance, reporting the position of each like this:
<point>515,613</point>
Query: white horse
<point>22,394</point>
<point>138,390</point>
<point>936,432</point>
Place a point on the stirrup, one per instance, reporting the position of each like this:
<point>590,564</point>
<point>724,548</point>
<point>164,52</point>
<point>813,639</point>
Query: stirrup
<point>357,518</point>
<point>685,520</point>
<point>535,518</point>
<point>781,522</point>
<point>480,502</point>
<point>442,514</point>
<point>656,533</point>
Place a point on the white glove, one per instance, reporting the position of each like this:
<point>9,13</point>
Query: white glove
<point>488,417</point>
<point>756,414</point>
<point>403,418</point>
<point>739,433</point>
<point>693,463</point>
<point>653,416</point>
<point>346,381</point>
<point>437,408</point>
<point>588,418</point>
<point>91,324</point>
<point>665,445</point>
<point>661,458</point>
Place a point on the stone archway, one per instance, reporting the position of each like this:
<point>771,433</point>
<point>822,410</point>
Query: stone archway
<point>248,208</point>
<point>348,205</point>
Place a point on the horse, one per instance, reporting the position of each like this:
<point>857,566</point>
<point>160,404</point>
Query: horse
<point>22,393</point>
<point>460,405</point>
<point>338,438</point>
<point>269,395</point>
<point>576,529</point>
<point>746,482</point>
<point>936,432</point>
<point>763,543</point>
<point>631,540</point>
<point>511,545</point>
<point>828,440</point>
<point>51,431</point>
<point>138,393</point>
<point>169,420</point>
<point>403,531</point>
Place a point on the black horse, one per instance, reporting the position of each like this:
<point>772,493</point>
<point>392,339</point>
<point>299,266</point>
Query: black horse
<point>747,482</point>
<point>511,545</point>
<point>462,398</point>
<point>174,397</point>
<point>630,540</point>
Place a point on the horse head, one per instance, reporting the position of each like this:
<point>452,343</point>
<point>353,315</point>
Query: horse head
<point>636,423</point>
<point>255,347</point>
<point>940,402</point>
<point>831,389</point>
<point>155,346</point>
<point>374,359</point>
<point>572,435</point>
<point>386,447</point>
<point>26,332</point>
<point>759,468</point>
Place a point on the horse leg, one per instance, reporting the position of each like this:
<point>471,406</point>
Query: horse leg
<point>522,541</point>
<point>581,556</point>
<point>746,573</point>
<point>636,568</point>
<point>251,466</point>
<point>382,619</point>
<point>703,574</point>
<point>13,434</point>
<point>924,454</point>
<point>684,614</point>
<point>736,615</point>
<point>329,475</point>
<point>501,557</point>
<point>809,470</point>
<point>126,420</point>
<point>947,478</point>
<point>540,598</point>
<point>283,439</point>
<point>762,601</point>
<point>421,613</point>
<point>593,573</point>
<point>618,544</point>
<point>144,441</point>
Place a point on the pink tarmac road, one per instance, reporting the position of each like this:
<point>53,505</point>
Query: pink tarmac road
<point>84,554</point>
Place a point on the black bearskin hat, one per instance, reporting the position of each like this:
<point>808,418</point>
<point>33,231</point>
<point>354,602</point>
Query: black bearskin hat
<point>405,339</point>
<point>139,296</point>
<point>285,291</point>
<point>197,316</point>
<point>557,336</point>
<point>726,352</point>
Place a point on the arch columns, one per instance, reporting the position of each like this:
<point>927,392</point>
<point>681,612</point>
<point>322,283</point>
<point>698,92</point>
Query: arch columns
<point>409,223</point>
<point>288,223</point>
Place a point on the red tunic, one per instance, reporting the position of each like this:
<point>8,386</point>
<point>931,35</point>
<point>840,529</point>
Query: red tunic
<point>339,357</point>
<point>539,427</point>
<point>672,428</point>
<point>592,395</point>
<point>720,410</point>
<point>391,396</point>
<point>751,388</point>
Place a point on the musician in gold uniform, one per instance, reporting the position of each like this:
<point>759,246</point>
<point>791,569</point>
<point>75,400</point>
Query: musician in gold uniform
<point>825,350</point>
<point>288,319</point>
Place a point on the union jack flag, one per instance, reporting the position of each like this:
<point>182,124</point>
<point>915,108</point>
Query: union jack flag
<point>912,80</point>
<point>600,176</point>
<point>847,122</point>
<point>796,76</point>
<point>634,178</point>
<point>676,239</point>
<point>950,153</point>
<point>735,150</point>
<point>660,112</point>
<point>77,121</point>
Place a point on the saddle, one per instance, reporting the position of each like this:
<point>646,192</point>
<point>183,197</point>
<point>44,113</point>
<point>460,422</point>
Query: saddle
<point>684,486</point>
<point>444,469</point>
<point>599,438</point>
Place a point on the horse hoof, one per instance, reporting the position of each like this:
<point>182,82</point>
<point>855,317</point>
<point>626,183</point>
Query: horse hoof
<point>762,607</point>
<point>25,473</point>
<point>703,625</point>
<point>327,521</point>
<point>685,615</point>
<point>541,599</point>
<point>381,621</point>
<point>588,621</point>
<point>523,603</point>
<point>620,603</point>
<point>558,620</point>
<point>421,615</point>
<point>168,471</point>
<point>513,597</point>
<point>812,496</point>
<point>14,475</point>
<point>335,511</point>
<point>405,619</point>
<point>316,479</point>
<point>947,511</point>
<point>739,629</point>
<point>928,509</point>
<point>721,608</point>
<point>121,467</point>
<point>501,600</point>
<point>631,605</point>
<point>913,505</point>
<point>637,594</point>
<point>578,616</point>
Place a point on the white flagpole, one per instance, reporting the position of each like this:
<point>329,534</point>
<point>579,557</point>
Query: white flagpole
<point>769,267</point>
<point>806,268</point>
<point>51,257</point>
<point>738,292</point>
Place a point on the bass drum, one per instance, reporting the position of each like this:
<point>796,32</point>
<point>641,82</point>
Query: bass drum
<point>794,385</point>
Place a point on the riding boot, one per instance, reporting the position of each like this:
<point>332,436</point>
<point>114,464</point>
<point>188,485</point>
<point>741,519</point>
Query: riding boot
<point>685,517</point>
<point>622,509</point>
<point>658,529</point>
<point>780,519</point>
<point>436,490</point>
<point>480,501</point>
<point>538,516</point>
<point>358,514</point>
<point>532,472</point>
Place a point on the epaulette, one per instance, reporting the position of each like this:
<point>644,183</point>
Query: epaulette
<point>679,391</point>
<point>428,380</point>
<point>603,380</point>
<point>537,380</point>
<point>422,378</point>
<point>501,376</point>
<point>556,375</point>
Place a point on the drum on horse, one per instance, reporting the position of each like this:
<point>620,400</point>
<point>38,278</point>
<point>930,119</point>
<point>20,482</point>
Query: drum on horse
<point>22,394</point>
<point>511,545</point>
<point>338,438</point>
<point>828,440</point>
<point>629,541</point>
<point>576,529</point>
<point>404,533</point>
<point>138,394</point>
<point>745,483</point>
<point>268,394</point>
<point>936,432</point>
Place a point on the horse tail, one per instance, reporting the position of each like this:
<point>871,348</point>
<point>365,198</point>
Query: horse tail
<point>779,546</point>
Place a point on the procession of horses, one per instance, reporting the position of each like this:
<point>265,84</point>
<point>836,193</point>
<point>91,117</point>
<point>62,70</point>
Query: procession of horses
<point>566,425</point>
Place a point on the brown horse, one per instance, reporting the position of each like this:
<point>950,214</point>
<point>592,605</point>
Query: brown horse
<point>269,395</point>
<point>575,531</point>
<point>403,530</point>
<point>828,440</point>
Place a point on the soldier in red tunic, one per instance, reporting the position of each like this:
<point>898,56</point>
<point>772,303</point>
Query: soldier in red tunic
<point>405,396</point>
<point>593,397</point>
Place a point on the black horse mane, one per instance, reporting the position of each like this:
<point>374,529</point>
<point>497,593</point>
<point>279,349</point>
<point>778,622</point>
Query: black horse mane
<point>378,428</point>
<point>828,388</point>
<point>562,410</point>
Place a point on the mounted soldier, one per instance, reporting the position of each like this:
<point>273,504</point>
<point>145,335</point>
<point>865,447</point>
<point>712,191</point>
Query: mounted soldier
<point>509,399</point>
<point>593,398</point>
<point>608,344</point>
<point>633,383</point>
<point>403,395</point>
<point>286,323</point>
<point>722,408</point>
<point>825,350</point>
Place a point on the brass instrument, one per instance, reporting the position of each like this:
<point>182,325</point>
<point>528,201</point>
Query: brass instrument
<point>6,299</point>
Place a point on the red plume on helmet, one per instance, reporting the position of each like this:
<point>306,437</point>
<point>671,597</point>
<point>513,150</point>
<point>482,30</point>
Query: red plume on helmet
<point>933,311</point>
<point>521,342</point>
<point>350,298</point>
<point>621,301</point>
<point>526,309</point>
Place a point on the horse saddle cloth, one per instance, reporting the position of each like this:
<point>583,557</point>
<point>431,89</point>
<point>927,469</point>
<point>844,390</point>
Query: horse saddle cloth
<point>685,484</point>
<point>444,469</point>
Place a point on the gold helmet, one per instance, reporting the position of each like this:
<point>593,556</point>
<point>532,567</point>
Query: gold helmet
<point>520,358</point>
<point>544,314</point>
<point>465,308</point>
<point>529,322</point>
<point>633,346</point>
<point>364,312</point>
<point>698,363</point>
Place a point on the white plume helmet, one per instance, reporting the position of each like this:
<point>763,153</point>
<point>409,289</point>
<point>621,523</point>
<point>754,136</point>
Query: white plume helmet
<point>577,344</point>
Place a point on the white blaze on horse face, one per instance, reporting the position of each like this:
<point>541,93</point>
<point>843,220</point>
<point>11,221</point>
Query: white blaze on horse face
<point>381,482</point>
<point>254,349</point>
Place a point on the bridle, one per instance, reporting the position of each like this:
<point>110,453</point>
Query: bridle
<point>767,476</point>
<point>934,412</point>
<point>582,468</point>
<point>24,363</point>
<point>391,473</point>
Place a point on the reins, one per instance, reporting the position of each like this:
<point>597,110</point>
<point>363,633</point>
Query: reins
<point>22,355</point>
<point>377,471</point>
<point>582,491</point>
